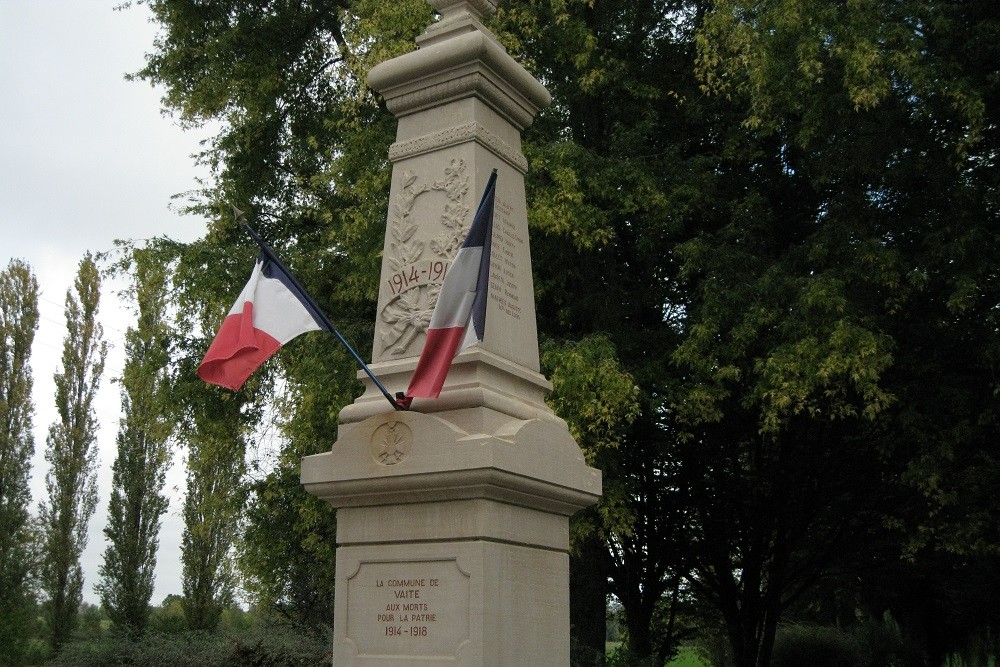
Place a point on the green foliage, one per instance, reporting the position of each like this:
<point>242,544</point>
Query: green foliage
<point>688,656</point>
<point>765,256</point>
<point>212,506</point>
<point>302,150</point>
<point>168,618</point>
<point>874,643</point>
<point>288,555</point>
<point>956,660</point>
<point>612,176</point>
<point>18,323</point>
<point>71,482</point>
<point>137,500</point>
<point>800,57</point>
<point>816,645</point>
<point>211,425</point>
<point>622,656</point>
<point>302,146</point>
<point>260,647</point>
<point>827,298</point>
<point>15,633</point>
<point>592,391</point>
<point>91,623</point>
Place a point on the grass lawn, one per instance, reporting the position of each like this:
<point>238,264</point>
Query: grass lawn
<point>687,657</point>
<point>956,661</point>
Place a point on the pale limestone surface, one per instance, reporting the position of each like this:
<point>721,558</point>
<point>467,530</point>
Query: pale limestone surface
<point>476,524</point>
<point>452,523</point>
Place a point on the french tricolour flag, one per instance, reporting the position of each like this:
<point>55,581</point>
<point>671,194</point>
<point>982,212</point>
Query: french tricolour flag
<point>459,316</point>
<point>270,311</point>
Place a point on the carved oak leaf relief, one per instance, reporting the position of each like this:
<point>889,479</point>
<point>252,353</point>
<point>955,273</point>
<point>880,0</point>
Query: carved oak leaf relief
<point>408,313</point>
<point>456,211</point>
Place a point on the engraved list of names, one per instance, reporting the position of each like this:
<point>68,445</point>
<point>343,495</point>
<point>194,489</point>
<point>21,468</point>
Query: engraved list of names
<point>508,244</point>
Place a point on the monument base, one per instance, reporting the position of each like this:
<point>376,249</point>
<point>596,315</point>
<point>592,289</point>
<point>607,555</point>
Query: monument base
<point>452,546</point>
<point>451,603</point>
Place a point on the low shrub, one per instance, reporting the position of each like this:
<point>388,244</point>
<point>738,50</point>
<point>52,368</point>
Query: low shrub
<point>817,646</point>
<point>264,647</point>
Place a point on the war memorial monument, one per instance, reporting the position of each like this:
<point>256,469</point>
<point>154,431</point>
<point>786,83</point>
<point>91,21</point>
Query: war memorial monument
<point>453,516</point>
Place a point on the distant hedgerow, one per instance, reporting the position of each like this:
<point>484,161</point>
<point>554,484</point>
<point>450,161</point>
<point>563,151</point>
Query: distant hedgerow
<point>264,647</point>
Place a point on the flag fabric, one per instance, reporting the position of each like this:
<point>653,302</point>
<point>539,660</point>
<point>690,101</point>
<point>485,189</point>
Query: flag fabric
<point>271,310</point>
<point>459,317</point>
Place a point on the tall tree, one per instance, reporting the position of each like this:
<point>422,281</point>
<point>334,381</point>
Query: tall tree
<point>305,157</point>
<point>843,315</point>
<point>620,163</point>
<point>288,549</point>
<point>212,511</point>
<point>781,215</point>
<point>213,426</point>
<point>71,482</point>
<point>137,496</point>
<point>18,323</point>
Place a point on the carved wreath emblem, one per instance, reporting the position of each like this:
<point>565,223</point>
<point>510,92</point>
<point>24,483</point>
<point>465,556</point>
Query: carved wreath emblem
<point>408,312</point>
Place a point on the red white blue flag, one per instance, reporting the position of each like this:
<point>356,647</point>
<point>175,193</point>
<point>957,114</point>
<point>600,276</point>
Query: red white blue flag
<point>271,310</point>
<point>459,318</point>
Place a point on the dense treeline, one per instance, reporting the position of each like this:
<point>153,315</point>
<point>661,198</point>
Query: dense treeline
<point>765,246</point>
<point>765,243</point>
<point>241,638</point>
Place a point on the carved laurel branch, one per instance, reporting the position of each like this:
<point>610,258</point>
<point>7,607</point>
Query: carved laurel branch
<point>409,313</point>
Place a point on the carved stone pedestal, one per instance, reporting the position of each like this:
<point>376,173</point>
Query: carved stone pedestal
<point>452,547</point>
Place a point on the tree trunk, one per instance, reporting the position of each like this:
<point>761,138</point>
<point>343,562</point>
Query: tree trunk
<point>751,636</point>
<point>588,598</point>
<point>640,641</point>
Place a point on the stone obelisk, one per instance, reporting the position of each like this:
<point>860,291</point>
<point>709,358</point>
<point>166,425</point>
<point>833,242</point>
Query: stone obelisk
<point>453,517</point>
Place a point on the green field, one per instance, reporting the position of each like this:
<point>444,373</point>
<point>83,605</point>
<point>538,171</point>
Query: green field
<point>956,661</point>
<point>687,657</point>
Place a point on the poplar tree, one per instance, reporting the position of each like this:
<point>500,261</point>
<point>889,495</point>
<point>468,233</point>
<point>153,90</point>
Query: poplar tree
<point>212,507</point>
<point>71,482</point>
<point>212,426</point>
<point>18,323</point>
<point>137,499</point>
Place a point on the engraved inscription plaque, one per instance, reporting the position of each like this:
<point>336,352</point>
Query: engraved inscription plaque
<point>408,608</point>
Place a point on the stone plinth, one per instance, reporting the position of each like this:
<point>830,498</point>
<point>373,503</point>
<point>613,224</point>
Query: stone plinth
<point>453,518</point>
<point>452,547</point>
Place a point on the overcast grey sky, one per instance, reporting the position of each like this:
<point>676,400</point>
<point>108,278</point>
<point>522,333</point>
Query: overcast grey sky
<point>86,158</point>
